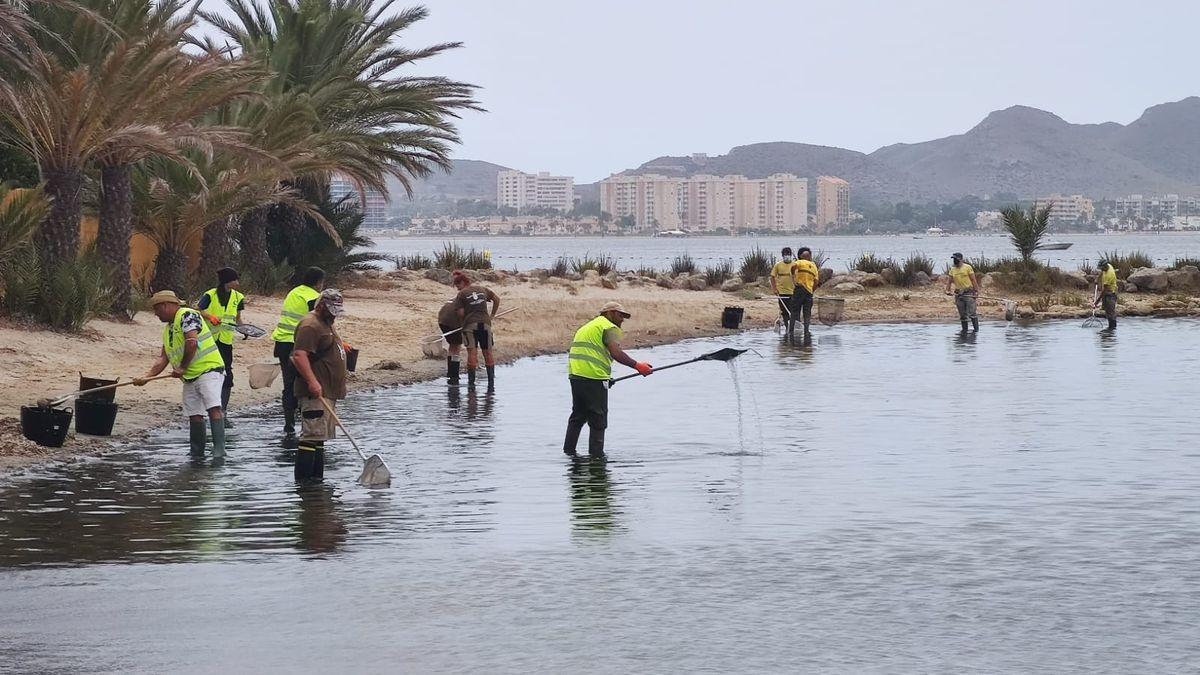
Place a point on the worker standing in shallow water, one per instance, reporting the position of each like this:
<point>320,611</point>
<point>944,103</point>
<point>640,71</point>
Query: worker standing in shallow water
<point>450,322</point>
<point>190,348</point>
<point>471,304</point>
<point>807,277</point>
<point>784,285</point>
<point>1108,292</point>
<point>966,291</point>
<point>320,360</point>
<point>595,346</point>
<point>299,302</point>
<point>222,307</point>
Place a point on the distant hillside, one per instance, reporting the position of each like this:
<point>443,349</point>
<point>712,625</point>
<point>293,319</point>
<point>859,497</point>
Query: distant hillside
<point>1021,150</point>
<point>470,179</point>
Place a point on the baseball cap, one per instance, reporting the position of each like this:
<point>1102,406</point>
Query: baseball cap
<point>615,307</point>
<point>164,297</point>
<point>332,299</point>
<point>957,256</point>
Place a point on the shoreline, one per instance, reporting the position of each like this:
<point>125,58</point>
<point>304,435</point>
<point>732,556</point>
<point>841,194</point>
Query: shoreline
<point>387,316</point>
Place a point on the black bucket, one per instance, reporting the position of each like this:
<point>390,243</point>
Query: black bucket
<point>732,317</point>
<point>45,426</point>
<point>351,359</point>
<point>92,383</point>
<point>95,418</point>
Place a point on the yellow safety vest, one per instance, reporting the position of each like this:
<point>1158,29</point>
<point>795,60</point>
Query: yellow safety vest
<point>589,357</point>
<point>294,309</point>
<point>206,358</point>
<point>226,313</point>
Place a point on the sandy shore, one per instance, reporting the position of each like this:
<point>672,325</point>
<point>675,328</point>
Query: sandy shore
<point>387,318</point>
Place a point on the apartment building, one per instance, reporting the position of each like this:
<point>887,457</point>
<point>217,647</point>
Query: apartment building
<point>1155,209</point>
<point>519,190</point>
<point>372,202</point>
<point>1067,208</point>
<point>833,203</point>
<point>705,203</point>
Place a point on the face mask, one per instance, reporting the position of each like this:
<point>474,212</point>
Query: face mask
<point>787,258</point>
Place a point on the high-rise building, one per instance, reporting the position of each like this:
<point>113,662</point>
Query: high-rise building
<point>519,190</point>
<point>706,203</point>
<point>1067,209</point>
<point>1155,209</point>
<point>372,202</point>
<point>833,202</point>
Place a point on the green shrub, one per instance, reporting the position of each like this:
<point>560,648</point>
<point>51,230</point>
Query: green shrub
<point>64,297</point>
<point>755,265</point>
<point>718,274</point>
<point>1126,263</point>
<point>560,267</point>
<point>1030,277</point>
<point>869,262</point>
<point>454,257</point>
<point>1180,263</point>
<point>819,258</point>
<point>906,272</point>
<point>683,264</point>
<point>602,264</point>
<point>1070,300</point>
<point>647,271</point>
<point>1041,304</point>
<point>984,265</point>
<point>413,261</point>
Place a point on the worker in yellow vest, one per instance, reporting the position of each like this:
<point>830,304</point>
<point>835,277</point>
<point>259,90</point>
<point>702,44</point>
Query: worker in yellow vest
<point>190,348</point>
<point>1108,296</point>
<point>596,345</point>
<point>299,302</point>
<point>222,308</point>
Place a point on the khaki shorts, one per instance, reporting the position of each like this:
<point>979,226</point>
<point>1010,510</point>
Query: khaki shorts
<point>315,423</point>
<point>202,394</point>
<point>477,336</point>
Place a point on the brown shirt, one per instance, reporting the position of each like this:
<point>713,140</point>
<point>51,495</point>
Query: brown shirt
<point>448,314</point>
<point>326,355</point>
<point>473,300</point>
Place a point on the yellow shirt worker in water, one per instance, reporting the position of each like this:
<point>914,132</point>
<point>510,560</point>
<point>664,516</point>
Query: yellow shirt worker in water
<point>966,290</point>
<point>1108,294</point>
<point>806,276</point>
<point>783,285</point>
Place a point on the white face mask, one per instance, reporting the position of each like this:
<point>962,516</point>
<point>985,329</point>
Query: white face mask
<point>787,258</point>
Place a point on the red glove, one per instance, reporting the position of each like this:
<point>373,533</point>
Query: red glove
<point>216,321</point>
<point>644,368</point>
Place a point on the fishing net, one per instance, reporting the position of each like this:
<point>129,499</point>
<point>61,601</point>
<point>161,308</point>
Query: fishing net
<point>248,331</point>
<point>1010,310</point>
<point>375,472</point>
<point>830,311</point>
<point>263,374</point>
<point>1092,321</point>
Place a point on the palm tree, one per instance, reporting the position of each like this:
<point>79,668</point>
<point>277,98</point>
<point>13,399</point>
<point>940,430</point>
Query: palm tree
<point>21,211</point>
<point>1026,229</point>
<point>340,61</point>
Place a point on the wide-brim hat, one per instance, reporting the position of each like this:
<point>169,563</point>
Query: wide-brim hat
<point>615,307</point>
<point>162,297</point>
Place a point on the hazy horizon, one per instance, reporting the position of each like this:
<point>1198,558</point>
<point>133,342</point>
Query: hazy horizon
<point>587,90</point>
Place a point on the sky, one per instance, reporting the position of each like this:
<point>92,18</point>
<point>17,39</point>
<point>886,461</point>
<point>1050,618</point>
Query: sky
<point>591,88</point>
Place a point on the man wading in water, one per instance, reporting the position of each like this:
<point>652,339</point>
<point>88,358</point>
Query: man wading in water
<point>807,277</point>
<point>1108,282</point>
<point>784,285</point>
<point>320,361</point>
<point>596,345</point>
<point>449,320</point>
<point>966,291</point>
<point>472,307</point>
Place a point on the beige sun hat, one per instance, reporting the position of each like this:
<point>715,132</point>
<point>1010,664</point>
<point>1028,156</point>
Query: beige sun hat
<point>164,297</point>
<point>615,307</point>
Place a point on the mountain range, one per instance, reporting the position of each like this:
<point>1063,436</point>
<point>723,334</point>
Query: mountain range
<point>1019,150</point>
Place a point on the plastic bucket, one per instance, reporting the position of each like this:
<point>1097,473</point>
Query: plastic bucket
<point>732,317</point>
<point>45,426</point>
<point>351,359</point>
<point>92,383</point>
<point>95,418</point>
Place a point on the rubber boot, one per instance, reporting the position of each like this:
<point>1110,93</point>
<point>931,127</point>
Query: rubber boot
<point>218,436</point>
<point>572,439</point>
<point>471,377</point>
<point>491,374</point>
<point>197,436</point>
<point>289,428</point>
<point>304,470</point>
<point>975,324</point>
<point>596,444</point>
<point>225,393</point>
<point>1112,324</point>
<point>319,462</point>
<point>453,366</point>
<point>964,325</point>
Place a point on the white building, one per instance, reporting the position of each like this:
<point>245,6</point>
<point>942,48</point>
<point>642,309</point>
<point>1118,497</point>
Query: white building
<point>1157,209</point>
<point>705,203</point>
<point>1067,209</point>
<point>518,190</point>
<point>372,202</point>
<point>988,220</point>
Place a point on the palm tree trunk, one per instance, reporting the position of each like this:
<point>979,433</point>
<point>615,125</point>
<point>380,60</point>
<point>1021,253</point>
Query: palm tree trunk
<point>216,251</point>
<point>116,229</point>
<point>58,238</point>
<point>252,235</point>
<point>170,271</point>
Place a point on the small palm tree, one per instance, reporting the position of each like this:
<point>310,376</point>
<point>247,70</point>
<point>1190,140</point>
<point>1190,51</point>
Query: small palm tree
<point>1026,229</point>
<point>21,211</point>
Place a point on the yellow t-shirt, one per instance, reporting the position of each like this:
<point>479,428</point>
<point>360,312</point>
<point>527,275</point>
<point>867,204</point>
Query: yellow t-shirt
<point>1108,279</point>
<point>961,276</point>
<point>806,274</point>
<point>782,274</point>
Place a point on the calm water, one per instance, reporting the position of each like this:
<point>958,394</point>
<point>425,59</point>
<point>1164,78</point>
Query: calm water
<point>633,252</point>
<point>892,499</point>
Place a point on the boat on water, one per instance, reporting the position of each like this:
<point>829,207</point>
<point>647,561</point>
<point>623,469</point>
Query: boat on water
<point>935,232</point>
<point>671,234</point>
<point>1056,246</point>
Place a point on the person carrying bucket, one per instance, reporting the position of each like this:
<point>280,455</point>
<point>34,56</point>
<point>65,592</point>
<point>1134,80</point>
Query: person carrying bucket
<point>1108,295</point>
<point>190,348</point>
<point>807,276</point>
<point>471,304</point>
<point>784,285</point>
<point>299,302</point>
<point>222,307</point>
<point>595,346</point>
<point>966,291</point>
<point>319,357</point>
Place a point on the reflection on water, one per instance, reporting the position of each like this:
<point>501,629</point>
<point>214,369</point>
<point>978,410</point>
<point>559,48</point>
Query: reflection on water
<point>906,498</point>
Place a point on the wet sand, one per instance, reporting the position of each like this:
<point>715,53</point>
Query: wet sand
<point>387,316</point>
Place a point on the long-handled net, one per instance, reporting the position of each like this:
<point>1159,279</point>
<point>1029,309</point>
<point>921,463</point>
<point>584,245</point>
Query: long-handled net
<point>831,311</point>
<point>1093,320</point>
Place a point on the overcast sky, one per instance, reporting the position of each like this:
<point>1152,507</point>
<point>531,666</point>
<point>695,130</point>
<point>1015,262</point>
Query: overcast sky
<point>591,88</point>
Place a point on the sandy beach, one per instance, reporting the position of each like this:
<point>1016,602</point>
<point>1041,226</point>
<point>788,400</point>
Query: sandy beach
<point>387,317</point>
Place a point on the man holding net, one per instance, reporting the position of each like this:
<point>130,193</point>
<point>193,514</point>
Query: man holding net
<point>966,291</point>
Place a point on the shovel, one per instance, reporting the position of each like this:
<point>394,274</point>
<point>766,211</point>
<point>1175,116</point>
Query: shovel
<point>375,471</point>
<point>46,403</point>
<point>726,354</point>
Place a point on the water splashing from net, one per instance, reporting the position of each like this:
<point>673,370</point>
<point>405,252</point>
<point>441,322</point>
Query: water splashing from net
<point>741,417</point>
